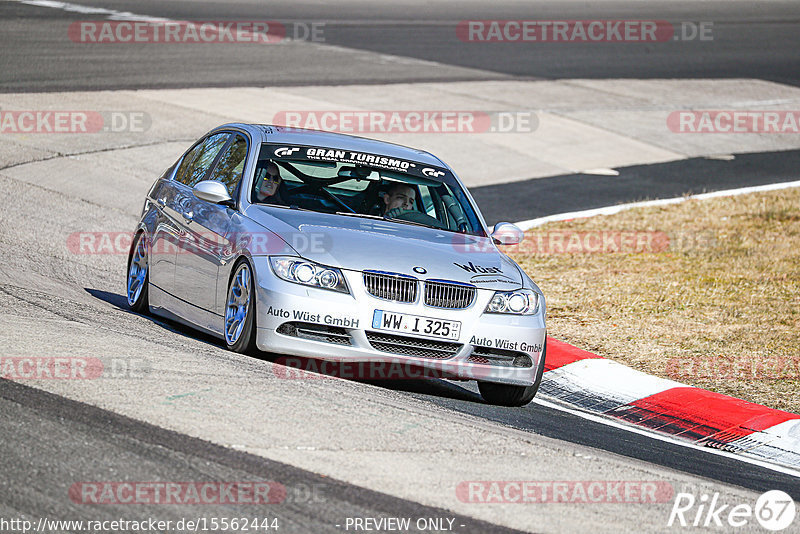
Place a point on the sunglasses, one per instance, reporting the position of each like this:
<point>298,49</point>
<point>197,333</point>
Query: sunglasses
<point>269,177</point>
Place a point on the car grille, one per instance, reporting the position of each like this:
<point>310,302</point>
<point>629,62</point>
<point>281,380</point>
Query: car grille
<point>448,295</point>
<point>316,332</point>
<point>396,287</point>
<point>505,358</point>
<point>412,346</point>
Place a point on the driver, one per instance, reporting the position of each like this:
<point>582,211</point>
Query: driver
<point>268,182</point>
<point>399,199</point>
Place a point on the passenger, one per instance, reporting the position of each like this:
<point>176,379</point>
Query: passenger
<point>399,199</point>
<point>268,182</point>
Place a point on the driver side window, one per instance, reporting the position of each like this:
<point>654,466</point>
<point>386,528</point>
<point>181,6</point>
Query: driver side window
<point>195,165</point>
<point>231,164</point>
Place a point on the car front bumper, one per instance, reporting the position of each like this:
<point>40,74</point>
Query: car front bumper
<point>304,321</point>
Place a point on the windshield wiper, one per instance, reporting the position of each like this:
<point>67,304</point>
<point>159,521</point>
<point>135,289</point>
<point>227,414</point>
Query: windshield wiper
<point>402,221</point>
<point>362,215</point>
<point>383,218</point>
<point>291,207</point>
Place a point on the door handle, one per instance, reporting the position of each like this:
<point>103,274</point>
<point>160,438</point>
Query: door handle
<point>188,216</point>
<point>162,202</point>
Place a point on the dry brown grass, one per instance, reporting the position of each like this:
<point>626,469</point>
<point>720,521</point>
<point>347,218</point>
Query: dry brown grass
<point>719,308</point>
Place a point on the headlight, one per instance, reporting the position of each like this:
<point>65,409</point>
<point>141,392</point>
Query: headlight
<point>519,302</point>
<point>308,273</point>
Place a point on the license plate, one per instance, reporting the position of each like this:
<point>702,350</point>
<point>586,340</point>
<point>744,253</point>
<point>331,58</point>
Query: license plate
<point>415,324</point>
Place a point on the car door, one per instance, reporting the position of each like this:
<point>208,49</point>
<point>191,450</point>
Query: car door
<point>178,206</point>
<point>206,231</point>
<point>166,235</point>
<point>164,241</point>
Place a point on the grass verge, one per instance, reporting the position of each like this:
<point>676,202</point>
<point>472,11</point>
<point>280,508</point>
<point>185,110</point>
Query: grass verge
<point>706,292</point>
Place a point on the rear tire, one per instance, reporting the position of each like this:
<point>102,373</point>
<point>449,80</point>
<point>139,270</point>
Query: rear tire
<point>240,310</point>
<point>511,395</point>
<point>138,281</point>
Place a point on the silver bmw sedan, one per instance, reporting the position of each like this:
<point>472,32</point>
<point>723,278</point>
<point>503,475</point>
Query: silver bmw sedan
<point>338,248</point>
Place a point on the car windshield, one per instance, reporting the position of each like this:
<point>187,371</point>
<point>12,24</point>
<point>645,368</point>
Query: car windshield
<point>362,185</point>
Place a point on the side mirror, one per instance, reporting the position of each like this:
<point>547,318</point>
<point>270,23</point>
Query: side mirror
<point>507,234</point>
<point>212,191</point>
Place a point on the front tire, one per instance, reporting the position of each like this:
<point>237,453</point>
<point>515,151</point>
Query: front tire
<point>240,310</point>
<point>138,276</point>
<point>509,394</point>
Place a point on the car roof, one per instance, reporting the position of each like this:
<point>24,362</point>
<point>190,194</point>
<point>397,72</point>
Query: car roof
<point>299,136</point>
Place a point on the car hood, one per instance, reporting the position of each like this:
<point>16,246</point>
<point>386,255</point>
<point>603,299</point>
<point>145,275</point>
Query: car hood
<point>369,244</point>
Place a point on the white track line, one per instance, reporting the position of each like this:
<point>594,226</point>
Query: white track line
<point>611,210</point>
<point>113,14</point>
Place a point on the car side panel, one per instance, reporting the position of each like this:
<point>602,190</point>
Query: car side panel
<point>164,237</point>
<point>203,241</point>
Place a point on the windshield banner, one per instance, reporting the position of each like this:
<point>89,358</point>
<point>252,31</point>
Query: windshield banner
<point>337,155</point>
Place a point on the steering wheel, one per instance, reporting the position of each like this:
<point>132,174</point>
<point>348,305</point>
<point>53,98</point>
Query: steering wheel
<point>320,192</point>
<point>419,217</point>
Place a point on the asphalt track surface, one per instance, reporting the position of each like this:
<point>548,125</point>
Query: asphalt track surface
<point>750,41</point>
<point>554,423</point>
<point>39,426</point>
<point>530,199</point>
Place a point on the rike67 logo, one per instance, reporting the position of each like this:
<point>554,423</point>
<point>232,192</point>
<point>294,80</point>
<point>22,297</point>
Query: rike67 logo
<point>774,510</point>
